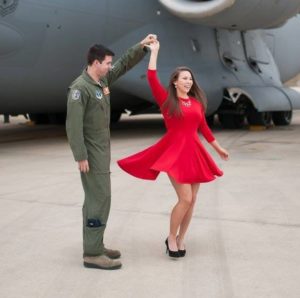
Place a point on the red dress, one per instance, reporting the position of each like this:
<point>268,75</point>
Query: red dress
<point>179,152</point>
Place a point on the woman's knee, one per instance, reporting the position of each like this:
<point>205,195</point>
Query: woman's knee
<point>186,200</point>
<point>194,199</point>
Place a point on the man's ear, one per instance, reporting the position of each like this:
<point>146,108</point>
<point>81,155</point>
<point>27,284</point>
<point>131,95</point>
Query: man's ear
<point>96,61</point>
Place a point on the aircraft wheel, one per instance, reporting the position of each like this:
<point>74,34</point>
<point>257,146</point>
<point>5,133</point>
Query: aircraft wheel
<point>282,118</point>
<point>259,118</point>
<point>231,121</point>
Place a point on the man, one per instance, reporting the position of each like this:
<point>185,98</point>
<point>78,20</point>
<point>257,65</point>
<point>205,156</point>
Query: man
<point>87,125</point>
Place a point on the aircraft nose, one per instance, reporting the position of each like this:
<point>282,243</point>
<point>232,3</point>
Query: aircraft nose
<point>10,40</point>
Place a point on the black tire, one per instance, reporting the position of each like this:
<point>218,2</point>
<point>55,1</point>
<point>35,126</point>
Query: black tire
<point>282,118</point>
<point>231,121</point>
<point>259,118</point>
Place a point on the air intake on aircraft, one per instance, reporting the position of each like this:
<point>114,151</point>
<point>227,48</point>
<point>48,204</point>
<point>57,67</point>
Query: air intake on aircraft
<point>234,14</point>
<point>196,9</point>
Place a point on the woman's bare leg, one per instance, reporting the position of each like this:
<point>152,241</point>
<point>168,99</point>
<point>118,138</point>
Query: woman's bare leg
<point>187,217</point>
<point>184,193</point>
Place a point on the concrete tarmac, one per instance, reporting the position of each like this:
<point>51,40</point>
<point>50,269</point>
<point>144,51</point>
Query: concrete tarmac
<point>243,242</point>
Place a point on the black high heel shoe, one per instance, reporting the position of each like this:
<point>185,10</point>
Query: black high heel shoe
<point>181,252</point>
<point>172,253</point>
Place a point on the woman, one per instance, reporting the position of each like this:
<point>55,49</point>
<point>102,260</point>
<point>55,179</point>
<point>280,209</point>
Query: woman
<point>179,153</point>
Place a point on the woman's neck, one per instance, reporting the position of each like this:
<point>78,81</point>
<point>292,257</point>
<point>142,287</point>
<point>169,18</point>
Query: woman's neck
<point>182,94</point>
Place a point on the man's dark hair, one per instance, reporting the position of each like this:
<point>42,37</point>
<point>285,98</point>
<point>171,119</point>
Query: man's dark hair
<point>98,52</point>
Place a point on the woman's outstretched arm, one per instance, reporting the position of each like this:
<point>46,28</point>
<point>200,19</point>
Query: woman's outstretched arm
<point>158,91</point>
<point>154,47</point>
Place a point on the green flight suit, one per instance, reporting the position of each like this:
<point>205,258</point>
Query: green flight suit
<point>87,126</point>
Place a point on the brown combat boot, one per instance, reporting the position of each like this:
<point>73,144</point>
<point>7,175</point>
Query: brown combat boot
<point>112,254</point>
<point>101,262</point>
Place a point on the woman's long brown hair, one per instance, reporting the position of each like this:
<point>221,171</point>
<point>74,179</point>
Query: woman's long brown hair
<point>172,103</point>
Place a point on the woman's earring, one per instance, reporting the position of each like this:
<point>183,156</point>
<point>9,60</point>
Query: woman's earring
<point>175,85</point>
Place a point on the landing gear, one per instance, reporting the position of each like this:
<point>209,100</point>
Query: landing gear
<point>282,118</point>
<point>259,118</point>
<point>231,121</point>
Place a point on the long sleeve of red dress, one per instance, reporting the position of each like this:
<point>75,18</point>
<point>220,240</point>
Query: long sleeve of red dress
<point>205,130</point>
<point>158,91</point>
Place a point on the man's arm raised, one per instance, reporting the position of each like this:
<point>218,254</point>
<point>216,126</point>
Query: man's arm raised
<point>129,59</point>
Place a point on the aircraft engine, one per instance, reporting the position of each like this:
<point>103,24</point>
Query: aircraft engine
<point>234,14</point>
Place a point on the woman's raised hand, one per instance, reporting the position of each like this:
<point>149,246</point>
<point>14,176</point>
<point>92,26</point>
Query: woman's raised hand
<point>150,38</point>
<point>154,46</point>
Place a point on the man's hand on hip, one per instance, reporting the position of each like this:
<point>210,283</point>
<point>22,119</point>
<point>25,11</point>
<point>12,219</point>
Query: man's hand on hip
<point>83,166</point>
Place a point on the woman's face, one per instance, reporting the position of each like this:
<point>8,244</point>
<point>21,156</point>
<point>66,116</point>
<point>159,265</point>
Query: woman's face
<point>184,82</point>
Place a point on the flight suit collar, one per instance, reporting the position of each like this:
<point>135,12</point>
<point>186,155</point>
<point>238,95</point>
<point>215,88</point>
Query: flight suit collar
<point>88,79</point>
<point>101,84</point>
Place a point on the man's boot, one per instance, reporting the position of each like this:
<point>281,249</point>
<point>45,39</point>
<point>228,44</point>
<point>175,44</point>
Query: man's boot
<point>112,254</point>
<point>101,262</point>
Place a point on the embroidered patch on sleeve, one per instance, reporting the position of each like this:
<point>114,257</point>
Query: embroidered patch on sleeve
<point>76,94</point>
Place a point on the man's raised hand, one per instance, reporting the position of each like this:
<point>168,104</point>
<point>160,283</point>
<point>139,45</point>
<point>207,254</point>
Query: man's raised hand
<point>149,39</point>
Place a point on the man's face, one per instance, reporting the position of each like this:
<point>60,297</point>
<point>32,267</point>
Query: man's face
<point>102,68</point>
